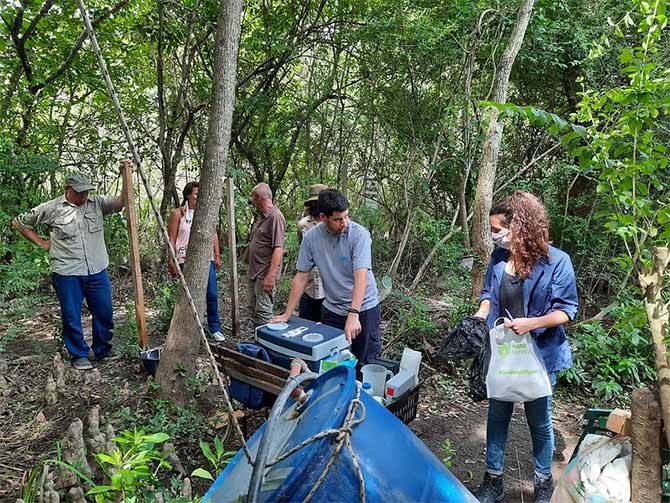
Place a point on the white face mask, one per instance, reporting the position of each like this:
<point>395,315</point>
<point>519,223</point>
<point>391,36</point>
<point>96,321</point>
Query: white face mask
<point>501,238</point>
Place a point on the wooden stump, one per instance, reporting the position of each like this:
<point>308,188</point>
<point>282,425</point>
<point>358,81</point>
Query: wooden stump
<point>646,439</point>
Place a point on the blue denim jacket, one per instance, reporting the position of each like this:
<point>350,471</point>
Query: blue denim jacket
<point>551,286</point>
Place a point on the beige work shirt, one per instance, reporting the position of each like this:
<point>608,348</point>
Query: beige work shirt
<point>76,232</point>
<point>314,288</point>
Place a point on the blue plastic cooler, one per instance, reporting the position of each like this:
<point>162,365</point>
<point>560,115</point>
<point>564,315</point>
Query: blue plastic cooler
<point>300,338</point>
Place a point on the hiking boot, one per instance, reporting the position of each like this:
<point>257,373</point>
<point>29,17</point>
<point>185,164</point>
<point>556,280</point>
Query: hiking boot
<point>82,363</point>
<point>491,489</point>
<point>543,490</point>
<point>218,336</point>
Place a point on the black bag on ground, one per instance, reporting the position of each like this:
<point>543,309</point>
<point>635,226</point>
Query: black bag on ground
<point>465,340</point>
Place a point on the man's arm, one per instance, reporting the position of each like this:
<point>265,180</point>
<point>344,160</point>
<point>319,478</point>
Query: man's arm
<point>297,289</point>
<point>352,326</point>
<point>31,235</point>
<point>117,203</point>
<point>273,272</point>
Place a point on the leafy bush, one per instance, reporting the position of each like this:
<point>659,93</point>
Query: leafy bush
<point>613,360</point>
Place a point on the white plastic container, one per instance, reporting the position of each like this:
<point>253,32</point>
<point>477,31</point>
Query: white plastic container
<point>400,383</point>
<point>411,361</point>
<point>376,375</point>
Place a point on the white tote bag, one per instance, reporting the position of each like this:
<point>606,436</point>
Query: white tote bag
<point>516,370</point>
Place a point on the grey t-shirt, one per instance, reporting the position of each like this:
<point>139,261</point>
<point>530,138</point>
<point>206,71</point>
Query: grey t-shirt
<point>76,233</point>
<point>337,256</point>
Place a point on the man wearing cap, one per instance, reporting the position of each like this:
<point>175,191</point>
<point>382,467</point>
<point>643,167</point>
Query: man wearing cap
<point>78,259</point>
<point>265,254</point>
<point>342,250</point>
<point>310,302</point>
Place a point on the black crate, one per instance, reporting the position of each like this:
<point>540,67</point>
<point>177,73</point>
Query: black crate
<point>405,407</point>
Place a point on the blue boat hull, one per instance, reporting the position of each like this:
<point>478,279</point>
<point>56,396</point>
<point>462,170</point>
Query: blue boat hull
<point>396,465</point>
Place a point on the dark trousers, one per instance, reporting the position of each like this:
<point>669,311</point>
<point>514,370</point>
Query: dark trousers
<point>71,292</point>
<point>368,344</point>
<point>213,320</point>
<point>309,308</point>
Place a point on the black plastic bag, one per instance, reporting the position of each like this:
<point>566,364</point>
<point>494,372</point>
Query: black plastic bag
<point>470,339</point>
<point>465,340</point>
<point>478,370</point>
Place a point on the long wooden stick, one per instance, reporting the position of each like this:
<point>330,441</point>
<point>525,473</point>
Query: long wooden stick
<point>232,258</point>
<point>133,243</point>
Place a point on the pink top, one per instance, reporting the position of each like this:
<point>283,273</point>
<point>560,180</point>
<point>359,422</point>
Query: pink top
<point>183,233</point>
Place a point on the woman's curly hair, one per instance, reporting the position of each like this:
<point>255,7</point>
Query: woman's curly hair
<point>525,216</point>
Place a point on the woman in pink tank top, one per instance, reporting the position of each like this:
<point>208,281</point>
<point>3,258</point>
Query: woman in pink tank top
<point>179,232</point>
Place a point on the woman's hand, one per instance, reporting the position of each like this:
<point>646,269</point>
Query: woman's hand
<point>521,326</point>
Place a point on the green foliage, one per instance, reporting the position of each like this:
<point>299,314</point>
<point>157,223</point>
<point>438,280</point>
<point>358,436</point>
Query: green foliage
<point>163,415</point>
<point>613,360</point>
<point>23,266</point>
<point>448,453</point>
<point>131,467</point>
<point>218,458</point>
<point>163,302</point>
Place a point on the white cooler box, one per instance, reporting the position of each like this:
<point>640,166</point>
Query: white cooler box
<point>305,339</point>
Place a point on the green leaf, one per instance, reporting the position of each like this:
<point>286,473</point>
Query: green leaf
<point>202,473</point>
<point>100,490</point>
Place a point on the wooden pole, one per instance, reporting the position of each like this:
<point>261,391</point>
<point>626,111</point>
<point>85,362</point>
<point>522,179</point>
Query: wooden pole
<point>232,257</point>
<point>646,439</point>
<point>133,242</point>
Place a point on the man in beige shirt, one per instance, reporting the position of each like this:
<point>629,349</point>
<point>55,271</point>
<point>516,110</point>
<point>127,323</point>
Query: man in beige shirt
<point>311,300</point>
<point>79,260</point>
<point>265,252</point>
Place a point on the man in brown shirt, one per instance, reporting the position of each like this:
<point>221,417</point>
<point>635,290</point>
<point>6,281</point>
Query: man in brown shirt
<point>266,250</point>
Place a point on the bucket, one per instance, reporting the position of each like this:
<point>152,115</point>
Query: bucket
<point>396,465</point>
<point>150,359</point>
<point>376,375</point>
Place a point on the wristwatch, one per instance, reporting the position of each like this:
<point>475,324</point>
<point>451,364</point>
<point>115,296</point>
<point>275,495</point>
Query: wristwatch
<point>355,311</point>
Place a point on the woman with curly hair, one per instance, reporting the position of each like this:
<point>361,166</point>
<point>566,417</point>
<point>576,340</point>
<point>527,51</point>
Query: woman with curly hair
<point>531,283</point>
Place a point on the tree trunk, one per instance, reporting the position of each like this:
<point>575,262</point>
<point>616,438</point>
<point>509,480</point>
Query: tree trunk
<point>178,360</point>
<point>645,474</point>
<point>481,238</point>
<point>653,283</point>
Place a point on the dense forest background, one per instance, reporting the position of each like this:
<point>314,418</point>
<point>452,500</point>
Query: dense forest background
<point>383,99</point>
<point>387,100</point>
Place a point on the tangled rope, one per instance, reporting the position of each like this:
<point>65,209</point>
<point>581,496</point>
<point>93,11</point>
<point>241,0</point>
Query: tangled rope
<point>342,439</point>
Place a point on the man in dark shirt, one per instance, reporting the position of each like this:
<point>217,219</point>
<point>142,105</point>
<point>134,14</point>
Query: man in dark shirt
<point>266,250</point>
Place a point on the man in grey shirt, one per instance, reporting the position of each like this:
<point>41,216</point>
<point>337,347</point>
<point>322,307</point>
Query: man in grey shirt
<point>78,259</point>
<point>341,250</point>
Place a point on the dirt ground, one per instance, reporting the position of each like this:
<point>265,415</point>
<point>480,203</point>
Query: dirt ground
<point>450,424</point>
<point>447,415</point>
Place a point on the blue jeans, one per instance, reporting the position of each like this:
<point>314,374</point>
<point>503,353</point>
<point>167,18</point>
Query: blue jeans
<point>368,344</point>
<point>213,320</point>
<point>71,292</point>
<point>538,415</point>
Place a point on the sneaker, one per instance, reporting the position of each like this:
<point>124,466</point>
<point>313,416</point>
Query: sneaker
<point>107,355</point>
<point>491,489</point>
<point>543,490</point>
<point>218,336</point>
<point>82,363</point>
